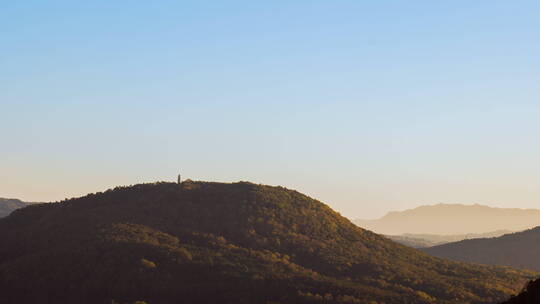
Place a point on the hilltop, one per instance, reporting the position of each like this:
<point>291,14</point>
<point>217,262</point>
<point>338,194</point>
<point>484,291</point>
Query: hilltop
<point>443,219</point>
<point>202,242</point>
<point>518,250</point>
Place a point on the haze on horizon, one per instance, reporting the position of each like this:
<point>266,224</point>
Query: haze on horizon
<point>369,107</point>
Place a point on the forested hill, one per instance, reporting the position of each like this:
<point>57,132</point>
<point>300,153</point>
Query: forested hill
<point>201,242</point>
<point>8,205</point>
<point>519,250</point>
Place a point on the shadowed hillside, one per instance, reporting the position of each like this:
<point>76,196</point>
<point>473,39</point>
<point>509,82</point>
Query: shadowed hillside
<point>529,295</point>
<point>519,250</point>
<point>204,242</point>
<point>8,205</point>
<point>441,219</point>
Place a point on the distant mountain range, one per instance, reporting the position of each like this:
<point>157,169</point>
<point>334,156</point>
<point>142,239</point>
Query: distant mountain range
<point>453,219</point>
<point>8,205</point>
<point>201,242</point>
<point>518,250</point>
<point>429,240</point>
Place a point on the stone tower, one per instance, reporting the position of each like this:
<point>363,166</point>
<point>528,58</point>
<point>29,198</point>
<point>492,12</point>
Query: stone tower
<point>179,179</point>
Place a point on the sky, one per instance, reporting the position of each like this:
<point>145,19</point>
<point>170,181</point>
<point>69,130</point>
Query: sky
<point>368,106</point>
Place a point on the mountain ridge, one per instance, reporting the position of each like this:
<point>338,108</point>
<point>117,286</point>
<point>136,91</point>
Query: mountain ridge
<point>8,205</point>
<point>518,250</point>
<point>430,240</point>
<point>441,218</point>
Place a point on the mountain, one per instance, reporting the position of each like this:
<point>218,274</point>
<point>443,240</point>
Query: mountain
<point>519,250</point>
<point>8,205</point>
<point>202,242</point>
<point>529,295</point>
<point>448,219</point>
<point>429,240</point>
<point>411,241</point>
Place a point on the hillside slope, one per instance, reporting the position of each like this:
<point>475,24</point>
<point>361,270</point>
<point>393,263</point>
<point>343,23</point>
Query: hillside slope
<point>204,242</point>
<point>519,250</point>
<point>529,295</point>
<point>441,219</point>
<point>8,205</point>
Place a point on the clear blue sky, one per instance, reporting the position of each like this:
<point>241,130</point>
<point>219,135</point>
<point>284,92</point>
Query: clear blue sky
<point>369,106</point>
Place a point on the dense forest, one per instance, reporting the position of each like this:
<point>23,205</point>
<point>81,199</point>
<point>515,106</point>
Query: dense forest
<point>201,242</point>
<point>518,250</point>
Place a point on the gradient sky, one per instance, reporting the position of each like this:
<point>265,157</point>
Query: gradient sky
<point>369,106</point>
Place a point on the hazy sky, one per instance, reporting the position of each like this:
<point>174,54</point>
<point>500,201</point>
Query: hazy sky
<point>369,106</point>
